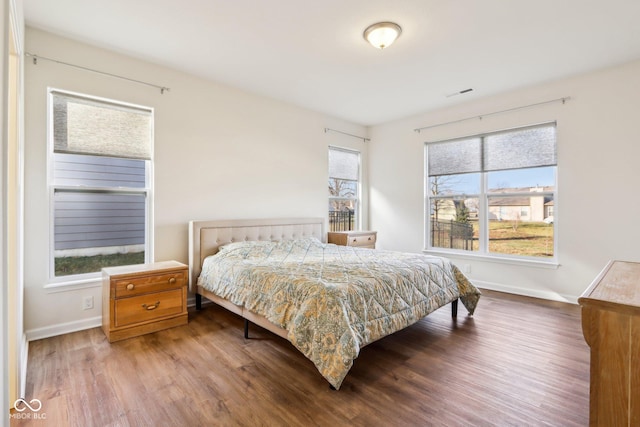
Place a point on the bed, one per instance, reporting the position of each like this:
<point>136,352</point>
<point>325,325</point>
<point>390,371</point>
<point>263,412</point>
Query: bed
<point>329,301</point>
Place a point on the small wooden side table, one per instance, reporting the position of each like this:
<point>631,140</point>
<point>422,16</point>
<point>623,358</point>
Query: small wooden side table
<point>144,298</point>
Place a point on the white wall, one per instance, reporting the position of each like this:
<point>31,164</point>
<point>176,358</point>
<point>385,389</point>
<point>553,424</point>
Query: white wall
<point>219,153</point>
<point>598,204</point>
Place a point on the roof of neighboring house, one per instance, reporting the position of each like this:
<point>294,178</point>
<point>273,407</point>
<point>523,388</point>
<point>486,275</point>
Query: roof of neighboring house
<point>521,200</point>
<point>509,201</point>
<point>520,189</point>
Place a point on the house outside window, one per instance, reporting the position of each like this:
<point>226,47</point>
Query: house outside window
<point>100,164</point>
<point>493,194</point>
<point>344,189</point>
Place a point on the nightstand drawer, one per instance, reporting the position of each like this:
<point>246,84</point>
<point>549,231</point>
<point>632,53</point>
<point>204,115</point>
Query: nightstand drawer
<point>362,240</point>
<point>152,283</point>
<point>147,307</point>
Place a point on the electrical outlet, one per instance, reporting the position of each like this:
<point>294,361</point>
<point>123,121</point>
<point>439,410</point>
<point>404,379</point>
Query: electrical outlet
<point>466,268</point>
<point>87,303</point>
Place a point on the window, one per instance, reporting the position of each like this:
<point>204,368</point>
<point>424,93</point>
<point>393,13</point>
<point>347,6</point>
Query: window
<point>100,168</point>
<point>493,194</point>
<point>344,173</point>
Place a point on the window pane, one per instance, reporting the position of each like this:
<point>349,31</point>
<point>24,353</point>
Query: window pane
<point>454,223</point>
<point>342,215</point>
<point>97,171</point>
<point>521,226</point>
<point>343,188</point>
<point>454,184</point>
<point>522,179</point>
<point>344,175</point>
<point>95,230</point>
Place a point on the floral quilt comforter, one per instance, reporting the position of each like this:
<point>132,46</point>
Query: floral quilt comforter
<point>333,300</point>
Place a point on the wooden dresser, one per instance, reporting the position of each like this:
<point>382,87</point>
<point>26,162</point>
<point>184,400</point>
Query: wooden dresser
<point>611,327</point>
<point>363,239</point>
<point>144,298</point>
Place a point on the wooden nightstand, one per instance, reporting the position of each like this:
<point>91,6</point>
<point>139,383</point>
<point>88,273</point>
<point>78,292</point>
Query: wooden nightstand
<point>139,299</point>
<point>362,239</point>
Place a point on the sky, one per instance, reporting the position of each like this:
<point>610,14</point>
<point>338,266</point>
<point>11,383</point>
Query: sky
<point>516,178</point>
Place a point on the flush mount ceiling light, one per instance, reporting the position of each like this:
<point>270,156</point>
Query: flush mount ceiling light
<point>382,34</point>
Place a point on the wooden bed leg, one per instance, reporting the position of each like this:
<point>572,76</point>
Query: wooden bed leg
<point>454,308</point>
<point>246,329</point>
<point>198,302</point>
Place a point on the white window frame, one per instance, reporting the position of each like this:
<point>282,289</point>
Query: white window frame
<point>61,283</point>
<point>357,200</point>
<point>483,215</point>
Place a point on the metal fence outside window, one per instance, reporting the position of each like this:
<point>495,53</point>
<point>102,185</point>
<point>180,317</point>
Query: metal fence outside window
<point>342,220</point>
<point>452,235</point>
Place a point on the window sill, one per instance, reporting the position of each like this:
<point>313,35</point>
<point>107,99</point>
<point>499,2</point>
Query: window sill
<point>72,285</point>
<point>500,260</point>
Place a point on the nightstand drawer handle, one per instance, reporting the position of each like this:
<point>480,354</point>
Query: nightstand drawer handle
<point>130,286</point>
<point>369,238</point>
<point>151,307</point>
<point>172,280</point>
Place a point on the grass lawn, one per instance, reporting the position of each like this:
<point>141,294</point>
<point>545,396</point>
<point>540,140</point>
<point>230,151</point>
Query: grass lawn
<point>66,266</point>
<point>533,239</point>
<point>521,238</point>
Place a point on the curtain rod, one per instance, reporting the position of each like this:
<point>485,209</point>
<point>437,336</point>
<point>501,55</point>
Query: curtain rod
<point>348,134</point>
<point>563,100</point>
<point>36,57</point>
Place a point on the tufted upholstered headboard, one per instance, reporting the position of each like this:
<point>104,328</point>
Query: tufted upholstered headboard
<point>205,237</point>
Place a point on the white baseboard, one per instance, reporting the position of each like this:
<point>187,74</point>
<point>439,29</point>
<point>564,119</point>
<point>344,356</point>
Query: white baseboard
<point>79,325</point>
<point>527,292</point>
<point>63,328</point>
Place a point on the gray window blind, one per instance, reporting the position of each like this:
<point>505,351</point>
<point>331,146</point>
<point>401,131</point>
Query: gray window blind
<point>343,164</point>
<point>454,157</point>
<point>522,148</point>
<point>526,148</point>
<point>91,126</point>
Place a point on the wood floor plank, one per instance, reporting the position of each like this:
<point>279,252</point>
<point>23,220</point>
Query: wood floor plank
<point>518,361</point>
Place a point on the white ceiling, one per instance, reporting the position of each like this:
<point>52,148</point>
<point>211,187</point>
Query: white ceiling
<point>311,52</point>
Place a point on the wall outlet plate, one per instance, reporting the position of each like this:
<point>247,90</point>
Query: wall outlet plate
<point>87,303</point>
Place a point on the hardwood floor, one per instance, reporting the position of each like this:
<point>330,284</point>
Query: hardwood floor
<point>517,362</point>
